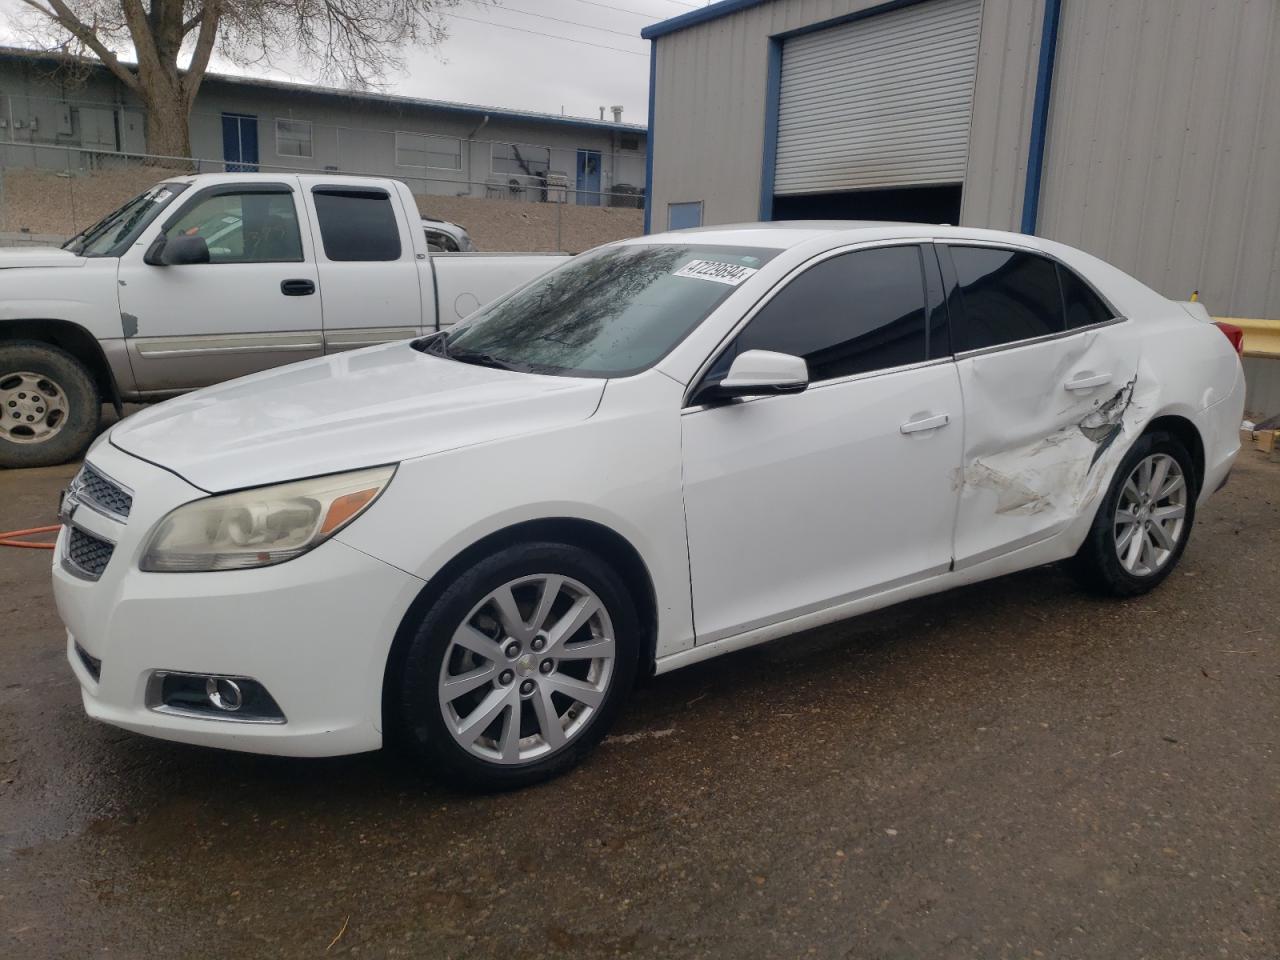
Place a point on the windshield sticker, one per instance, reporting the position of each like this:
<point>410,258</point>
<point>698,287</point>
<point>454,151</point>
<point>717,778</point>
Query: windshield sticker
<point>716,271</point>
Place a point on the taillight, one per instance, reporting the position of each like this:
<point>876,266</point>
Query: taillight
<point>1232,333</point>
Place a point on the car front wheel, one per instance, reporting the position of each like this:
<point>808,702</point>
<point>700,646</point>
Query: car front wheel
<point>520,666</point>
<point>1144,521</point>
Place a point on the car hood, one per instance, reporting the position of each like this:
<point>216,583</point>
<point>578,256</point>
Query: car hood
<point>380,405</point>
<point>38,257</point>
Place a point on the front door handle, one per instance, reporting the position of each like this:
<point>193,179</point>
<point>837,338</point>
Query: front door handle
<point>1088,382</point>
<point>297,288</point>
<point>928,423</point>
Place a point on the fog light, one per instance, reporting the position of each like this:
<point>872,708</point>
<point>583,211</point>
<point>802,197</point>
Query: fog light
<point>224,694</point>
<point>211,697</point>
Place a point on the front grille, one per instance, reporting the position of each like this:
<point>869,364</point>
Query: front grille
<point>91,663</point>
<point>92,487</point>
<point>88,553</point>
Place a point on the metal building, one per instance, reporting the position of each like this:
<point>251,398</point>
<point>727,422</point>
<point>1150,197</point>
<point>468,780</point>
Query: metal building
<point>1144,131</point>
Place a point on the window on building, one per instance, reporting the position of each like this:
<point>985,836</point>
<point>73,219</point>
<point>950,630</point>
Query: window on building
<point>1006,295</point>
<point>1083,307</point>
<point>250,227</point>
<point>680,216</point>
<point>854,313</point>
<point>520,159</point>
<point>357,224</point>
<point>293,138</point>
<point>428,150</point>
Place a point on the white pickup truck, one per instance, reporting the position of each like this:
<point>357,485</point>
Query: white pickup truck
<point>208,277</point>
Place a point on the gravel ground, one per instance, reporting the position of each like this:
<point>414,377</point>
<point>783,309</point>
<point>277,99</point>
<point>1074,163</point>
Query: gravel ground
<point>1012,769</point>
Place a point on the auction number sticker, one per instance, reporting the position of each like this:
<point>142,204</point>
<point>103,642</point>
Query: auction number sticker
<point>716,271</point>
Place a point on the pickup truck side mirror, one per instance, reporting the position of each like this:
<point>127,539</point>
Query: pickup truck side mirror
<point>178,251</point>
<point>758,373</point>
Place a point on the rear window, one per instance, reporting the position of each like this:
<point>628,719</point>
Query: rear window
<point>357,224</point>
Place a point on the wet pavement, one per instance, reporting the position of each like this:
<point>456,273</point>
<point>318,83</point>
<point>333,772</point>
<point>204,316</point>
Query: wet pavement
<point>1013,769</point>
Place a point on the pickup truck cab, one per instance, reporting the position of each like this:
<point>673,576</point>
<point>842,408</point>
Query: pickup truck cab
<point>208,277</point>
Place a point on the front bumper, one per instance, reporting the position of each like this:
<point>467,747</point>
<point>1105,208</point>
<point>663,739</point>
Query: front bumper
<point>315,631</point>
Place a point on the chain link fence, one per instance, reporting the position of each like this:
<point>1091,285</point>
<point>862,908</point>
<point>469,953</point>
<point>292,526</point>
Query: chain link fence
<point>49,192</point>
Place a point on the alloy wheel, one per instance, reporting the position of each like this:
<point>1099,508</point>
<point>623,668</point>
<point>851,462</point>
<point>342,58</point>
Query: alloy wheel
<point>526,669</point>
<point>33,408</point>
<point>1151,515</point>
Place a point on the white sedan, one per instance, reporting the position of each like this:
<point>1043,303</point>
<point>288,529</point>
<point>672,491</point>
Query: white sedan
<point>667,449</point>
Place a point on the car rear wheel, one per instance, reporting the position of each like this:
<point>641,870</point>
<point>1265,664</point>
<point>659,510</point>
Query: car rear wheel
<point>49,406</point>
<point>520,666</point>
<point>1143,523</point>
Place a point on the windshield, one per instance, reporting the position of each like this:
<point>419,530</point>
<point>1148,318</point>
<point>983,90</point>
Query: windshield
<point>610,312</point>
<point>110,235</point>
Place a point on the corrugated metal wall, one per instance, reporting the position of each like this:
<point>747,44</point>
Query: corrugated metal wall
<point>708,122</point>
<point>1163,153</point>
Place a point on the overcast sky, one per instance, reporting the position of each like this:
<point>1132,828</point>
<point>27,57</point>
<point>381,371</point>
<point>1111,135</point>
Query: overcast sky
<point>502,62</point>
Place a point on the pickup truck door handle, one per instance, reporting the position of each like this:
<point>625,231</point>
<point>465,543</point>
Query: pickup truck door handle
<point>1088,382</point>
<point>928,423</point>
<point>297,288</point>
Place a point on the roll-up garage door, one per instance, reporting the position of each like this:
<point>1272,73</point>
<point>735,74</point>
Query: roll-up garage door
<point>880,102</point>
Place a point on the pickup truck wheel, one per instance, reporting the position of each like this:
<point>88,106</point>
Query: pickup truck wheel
<point>520,667</point>
<point>49,405</point>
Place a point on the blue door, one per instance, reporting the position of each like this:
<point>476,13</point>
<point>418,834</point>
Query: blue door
<point>240,142</point>
<point>588,178</point>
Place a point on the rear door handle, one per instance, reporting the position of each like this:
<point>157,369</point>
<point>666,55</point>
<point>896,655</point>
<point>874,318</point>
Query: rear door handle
<point>928,423</point>
<point>1088,382</point>
<point>297,288</point>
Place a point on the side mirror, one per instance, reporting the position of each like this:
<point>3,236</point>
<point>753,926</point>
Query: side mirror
<point>177,251</point>
<point>759,373</point>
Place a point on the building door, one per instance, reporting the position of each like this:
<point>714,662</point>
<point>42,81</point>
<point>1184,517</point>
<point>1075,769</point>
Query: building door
<point>873,116</point>
<point>240,142</point>
<point>588,178</point>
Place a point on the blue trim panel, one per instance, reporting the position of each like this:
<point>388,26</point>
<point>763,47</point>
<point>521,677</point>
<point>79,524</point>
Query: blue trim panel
<point>703,14</point>
<point>1040,115</point>
<point>648,140</point>
<point>773,91</point>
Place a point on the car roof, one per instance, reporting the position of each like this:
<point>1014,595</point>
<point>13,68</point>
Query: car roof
<point>783,234</point>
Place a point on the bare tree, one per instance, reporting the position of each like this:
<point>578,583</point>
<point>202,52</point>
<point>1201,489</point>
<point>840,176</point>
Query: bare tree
<point>356,42</point>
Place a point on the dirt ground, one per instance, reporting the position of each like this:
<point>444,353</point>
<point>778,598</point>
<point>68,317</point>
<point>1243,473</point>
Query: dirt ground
<point>46,202</point>
<point>1013,769</point>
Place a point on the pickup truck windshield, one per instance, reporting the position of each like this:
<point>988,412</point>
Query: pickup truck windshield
<point>113,233</point>
<point>611,312</point>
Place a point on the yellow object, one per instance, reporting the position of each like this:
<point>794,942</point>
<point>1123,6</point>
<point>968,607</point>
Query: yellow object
<point>1195,296</point>
<point>1265,440</point>
<point>1261,337</point>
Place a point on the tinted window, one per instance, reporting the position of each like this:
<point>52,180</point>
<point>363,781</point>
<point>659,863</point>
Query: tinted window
<point>243,227</point>
<point>1083,306</point>
<point>357,225</point>
<point>1006,296</point>
<point>851,314</point>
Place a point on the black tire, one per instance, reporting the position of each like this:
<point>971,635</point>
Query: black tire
<point>1097,565</point>
<point>79,423</point>
<point>417,718</point>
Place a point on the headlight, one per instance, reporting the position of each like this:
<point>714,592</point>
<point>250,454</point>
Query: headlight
<point>262,526</point>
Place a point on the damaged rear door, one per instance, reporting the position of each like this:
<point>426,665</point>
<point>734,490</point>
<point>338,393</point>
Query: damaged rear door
<point>1047,371</point>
